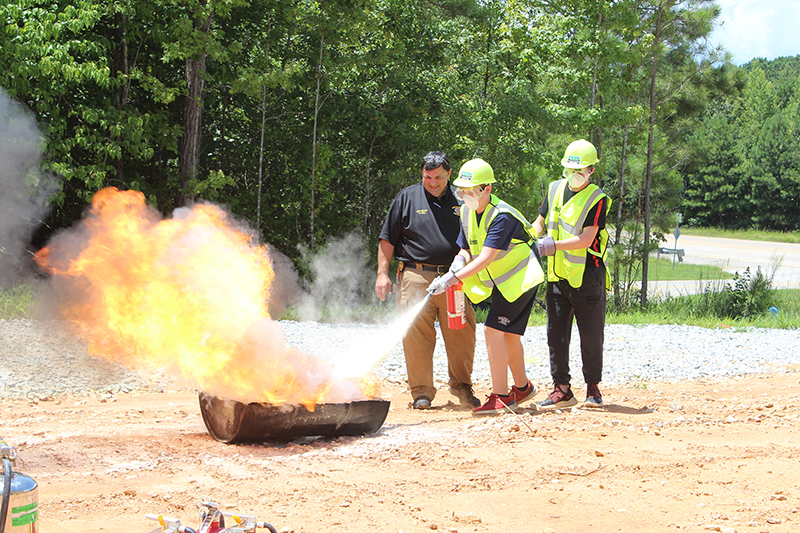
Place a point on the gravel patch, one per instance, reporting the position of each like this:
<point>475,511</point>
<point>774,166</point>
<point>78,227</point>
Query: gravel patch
<point>39,359</point>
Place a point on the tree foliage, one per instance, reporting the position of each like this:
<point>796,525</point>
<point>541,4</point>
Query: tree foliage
<point>305,117</point>
<point>745,167</point>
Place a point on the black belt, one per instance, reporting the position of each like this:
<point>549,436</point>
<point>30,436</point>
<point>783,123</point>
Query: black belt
<point>439,269</point>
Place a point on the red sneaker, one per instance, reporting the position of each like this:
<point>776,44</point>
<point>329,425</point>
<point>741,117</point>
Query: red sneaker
<point>495,405</point>
<point>523,395</point>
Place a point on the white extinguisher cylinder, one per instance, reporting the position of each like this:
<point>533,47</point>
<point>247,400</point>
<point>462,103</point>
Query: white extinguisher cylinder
<point>456,311</point>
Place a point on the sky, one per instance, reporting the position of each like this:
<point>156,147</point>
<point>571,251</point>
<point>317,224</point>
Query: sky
<point>758,28</point>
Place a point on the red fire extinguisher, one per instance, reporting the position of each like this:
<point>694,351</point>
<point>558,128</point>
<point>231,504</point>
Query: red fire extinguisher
<point>456,312</point>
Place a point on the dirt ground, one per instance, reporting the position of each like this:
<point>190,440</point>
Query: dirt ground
<point>689,456</point>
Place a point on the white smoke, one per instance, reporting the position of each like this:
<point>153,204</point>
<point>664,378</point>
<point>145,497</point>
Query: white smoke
<point>342,290</point>
<point>285,289</point>
<point>341,283</point>
<point>24,188</point>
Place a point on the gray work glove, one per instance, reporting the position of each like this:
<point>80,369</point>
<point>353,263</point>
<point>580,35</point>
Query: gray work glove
<point>547,246</point>
<point>442,283</point>
<point>458,263</point>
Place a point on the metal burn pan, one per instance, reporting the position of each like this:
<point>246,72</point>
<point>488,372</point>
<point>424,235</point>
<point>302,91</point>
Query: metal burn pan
<point>230,421</point>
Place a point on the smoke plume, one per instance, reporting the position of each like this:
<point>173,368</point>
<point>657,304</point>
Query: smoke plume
<point>342,286</point>
<point>24,188</point>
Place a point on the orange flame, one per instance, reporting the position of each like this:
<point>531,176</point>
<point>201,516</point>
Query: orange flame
<point>189,292</point>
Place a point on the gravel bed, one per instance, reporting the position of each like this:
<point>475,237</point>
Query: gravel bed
<point>39,359</point>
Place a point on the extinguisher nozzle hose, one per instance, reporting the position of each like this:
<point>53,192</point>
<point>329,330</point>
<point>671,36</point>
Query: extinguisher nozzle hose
<point>6,493</point>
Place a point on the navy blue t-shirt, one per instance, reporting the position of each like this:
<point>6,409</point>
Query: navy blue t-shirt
<point>503,228</point>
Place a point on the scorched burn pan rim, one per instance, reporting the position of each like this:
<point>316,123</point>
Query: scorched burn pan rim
<point>231,421</point>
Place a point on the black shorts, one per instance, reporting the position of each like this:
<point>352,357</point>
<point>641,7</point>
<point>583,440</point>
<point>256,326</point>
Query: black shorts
<point>510,317</point>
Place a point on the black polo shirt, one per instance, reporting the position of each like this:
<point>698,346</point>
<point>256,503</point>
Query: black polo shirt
<point>423,228</point>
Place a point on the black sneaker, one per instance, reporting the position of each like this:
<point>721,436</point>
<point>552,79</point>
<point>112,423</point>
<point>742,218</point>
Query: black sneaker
<point>558,399</point>
<point>465,395</point>
<point>593,396</point>
<point>422,403</point>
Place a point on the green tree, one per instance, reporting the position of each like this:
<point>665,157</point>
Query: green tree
<point>773,185</point>
<point>743,166</point>
<point>678,56</point>
<point>712,180</point>
<point>55,58</point>
<point>306,118</point>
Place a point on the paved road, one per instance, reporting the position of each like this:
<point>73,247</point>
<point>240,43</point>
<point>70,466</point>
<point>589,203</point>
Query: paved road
<point>735,255</point>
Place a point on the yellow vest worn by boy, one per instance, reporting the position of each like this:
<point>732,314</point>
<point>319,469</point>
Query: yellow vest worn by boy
<point>565,220</point>
<point>514,271</point>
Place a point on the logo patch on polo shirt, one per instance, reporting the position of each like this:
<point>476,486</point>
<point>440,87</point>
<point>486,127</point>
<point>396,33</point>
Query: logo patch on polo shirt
<point>422,211</point>
<point>457,210</point>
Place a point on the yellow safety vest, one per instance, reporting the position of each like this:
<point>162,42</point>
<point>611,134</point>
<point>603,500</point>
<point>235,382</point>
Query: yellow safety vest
<point>513,271</point>
<point>565,220</point>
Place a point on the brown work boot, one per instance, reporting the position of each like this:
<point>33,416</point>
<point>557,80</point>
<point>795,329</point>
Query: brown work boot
<point>465,396</point>
<point>422,402</point>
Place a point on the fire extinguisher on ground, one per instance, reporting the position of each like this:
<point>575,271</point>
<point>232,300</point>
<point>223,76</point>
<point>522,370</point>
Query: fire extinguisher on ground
<point>19,509</point>
<point>456,311</point>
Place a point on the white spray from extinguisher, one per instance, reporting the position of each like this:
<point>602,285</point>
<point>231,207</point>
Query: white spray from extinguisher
<point>364,355</point>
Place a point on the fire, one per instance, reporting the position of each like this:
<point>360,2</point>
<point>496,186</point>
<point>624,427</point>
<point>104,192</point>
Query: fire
<point>188,293</point>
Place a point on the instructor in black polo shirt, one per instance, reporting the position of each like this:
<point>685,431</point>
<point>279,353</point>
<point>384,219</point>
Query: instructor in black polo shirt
<point>421,231</point>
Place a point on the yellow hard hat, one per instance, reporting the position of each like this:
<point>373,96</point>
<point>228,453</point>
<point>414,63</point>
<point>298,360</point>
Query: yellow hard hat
<point>474,173</point>
<point>579,154</point>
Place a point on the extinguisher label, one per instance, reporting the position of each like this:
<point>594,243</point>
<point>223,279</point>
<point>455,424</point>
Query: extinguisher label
<point>456,312</point>
<point>24,514</point>
<point>460,303</point>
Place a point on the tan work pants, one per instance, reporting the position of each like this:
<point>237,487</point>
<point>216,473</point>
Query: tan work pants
<point>420,341</point>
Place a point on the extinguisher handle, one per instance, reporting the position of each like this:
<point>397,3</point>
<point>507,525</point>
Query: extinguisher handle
<point>7,451</point>
<point>442,283</point>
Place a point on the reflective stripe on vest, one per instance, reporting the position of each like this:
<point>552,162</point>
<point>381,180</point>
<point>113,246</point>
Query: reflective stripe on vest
<point>514,271</point>
<point>565,221</point>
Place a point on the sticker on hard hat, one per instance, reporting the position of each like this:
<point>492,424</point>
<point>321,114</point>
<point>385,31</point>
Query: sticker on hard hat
<point>466,175</point>
<point>574,159</point>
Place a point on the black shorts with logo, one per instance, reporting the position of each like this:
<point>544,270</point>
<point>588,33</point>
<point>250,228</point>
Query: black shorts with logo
<point>510,317</point>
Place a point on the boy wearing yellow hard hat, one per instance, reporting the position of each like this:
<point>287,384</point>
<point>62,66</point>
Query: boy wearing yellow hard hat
<point>496,260</point>
<point>574,216</point>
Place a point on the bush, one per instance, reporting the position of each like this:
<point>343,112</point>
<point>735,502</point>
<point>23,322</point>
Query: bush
<point>748,297</point>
